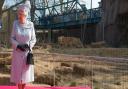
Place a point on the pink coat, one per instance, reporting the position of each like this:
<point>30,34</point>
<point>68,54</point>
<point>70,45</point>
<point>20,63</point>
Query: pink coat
<point>19,70</point>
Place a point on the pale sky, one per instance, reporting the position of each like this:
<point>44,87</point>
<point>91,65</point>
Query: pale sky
<point>94,3</point>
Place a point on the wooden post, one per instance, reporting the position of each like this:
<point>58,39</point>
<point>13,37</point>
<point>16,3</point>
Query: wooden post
<point>50,35</point>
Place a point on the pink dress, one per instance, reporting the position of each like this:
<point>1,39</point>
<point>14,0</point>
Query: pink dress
<point>19,70</point>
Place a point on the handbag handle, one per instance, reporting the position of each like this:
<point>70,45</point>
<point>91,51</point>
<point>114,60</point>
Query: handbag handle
<point>29,44</point>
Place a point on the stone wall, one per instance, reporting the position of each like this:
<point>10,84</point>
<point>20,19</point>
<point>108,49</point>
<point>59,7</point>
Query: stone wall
<point>115,21</point>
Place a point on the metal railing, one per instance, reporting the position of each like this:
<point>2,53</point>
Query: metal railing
<point>71,18</point>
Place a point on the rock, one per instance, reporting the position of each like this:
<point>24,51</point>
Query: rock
<point>5,69</point>
<point>98,45</point>
<point>4,54</point>
<point>49,79</point>
<point>66,64</point>
<point>70,42</point>
<point>4,79</point>
<point>6,60</point>
<point>81,70</point>
<point>64,70</point>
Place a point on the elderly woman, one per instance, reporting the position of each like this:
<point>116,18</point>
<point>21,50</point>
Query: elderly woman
<point>22,38</point>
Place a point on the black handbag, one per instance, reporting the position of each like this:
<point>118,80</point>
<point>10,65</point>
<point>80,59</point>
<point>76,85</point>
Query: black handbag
<point>30,59</point>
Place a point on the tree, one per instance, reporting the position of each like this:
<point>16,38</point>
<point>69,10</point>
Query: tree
<point>1,5</point>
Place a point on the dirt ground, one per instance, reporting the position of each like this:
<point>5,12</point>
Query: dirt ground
<point>71,70</point>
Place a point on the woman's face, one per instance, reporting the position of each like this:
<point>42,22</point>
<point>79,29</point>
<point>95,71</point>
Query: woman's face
<point>22,16</point>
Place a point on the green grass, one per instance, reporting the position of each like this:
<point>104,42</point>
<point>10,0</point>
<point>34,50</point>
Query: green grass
<point>73,83</point>
<point>104,52</point>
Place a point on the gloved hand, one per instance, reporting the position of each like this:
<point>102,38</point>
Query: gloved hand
<point>23,47</point>
<point>26,46</point>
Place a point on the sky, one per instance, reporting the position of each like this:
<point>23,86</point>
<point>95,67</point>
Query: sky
<point>94,3</point>
<point>88,2</point>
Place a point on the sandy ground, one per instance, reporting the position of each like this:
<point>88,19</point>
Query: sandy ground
<point>74,70</point>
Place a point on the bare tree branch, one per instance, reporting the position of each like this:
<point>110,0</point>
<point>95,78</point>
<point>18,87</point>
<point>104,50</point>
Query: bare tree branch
<point>13,6</point>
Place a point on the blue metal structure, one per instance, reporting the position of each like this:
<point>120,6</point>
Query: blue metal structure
<point>54,14</point>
